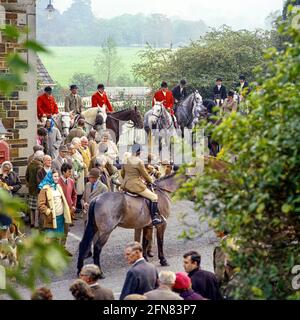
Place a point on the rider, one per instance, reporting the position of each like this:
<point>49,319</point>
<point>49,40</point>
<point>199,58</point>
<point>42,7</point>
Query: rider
<point>73,101</point>
<point>166,96</point>
<point>180,92</point>
<point>46,104</point>
<point>229,105</point>
<point>219,90</point>
<point>133,173</point>
<point>100,98</point>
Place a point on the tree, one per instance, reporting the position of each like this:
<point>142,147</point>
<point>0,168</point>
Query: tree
<point>221,52</point>
<point>108,62</point>
<point>258,200</point>
<point>85,82</point>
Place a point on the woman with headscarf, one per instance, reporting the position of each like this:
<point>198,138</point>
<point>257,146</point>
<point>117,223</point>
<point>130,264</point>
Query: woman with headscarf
<point>9,179</point>
<point>54,139</point>
<point>53,207</point>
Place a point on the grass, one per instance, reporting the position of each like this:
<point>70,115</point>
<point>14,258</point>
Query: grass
<point>63,62</point>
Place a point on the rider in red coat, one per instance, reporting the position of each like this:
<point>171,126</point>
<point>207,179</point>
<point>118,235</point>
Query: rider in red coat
<point>166,96</point>
<point>100,98</point>
<point>46,104</point>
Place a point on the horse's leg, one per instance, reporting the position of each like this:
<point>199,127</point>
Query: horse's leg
<point>137,235</point>
<point>98,245</point>
<point>161,228</point>
<point>147,239</point>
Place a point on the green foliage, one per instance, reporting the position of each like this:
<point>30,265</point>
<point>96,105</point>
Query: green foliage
<point>154,66</point>
<point>108,62</point>
<point>85,82</point>
<point>258,200</point>
<point>220,53</point>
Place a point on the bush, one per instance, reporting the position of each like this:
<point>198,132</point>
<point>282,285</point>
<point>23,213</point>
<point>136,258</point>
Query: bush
<point>258,201</point>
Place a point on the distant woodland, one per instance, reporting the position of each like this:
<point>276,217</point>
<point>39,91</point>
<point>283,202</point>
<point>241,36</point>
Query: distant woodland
<point>81,28</point>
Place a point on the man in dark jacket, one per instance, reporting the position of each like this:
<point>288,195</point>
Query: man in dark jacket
<point>142,276</point>
<point>203,282</point>
<point>219,91</point>
<point>180,92</point>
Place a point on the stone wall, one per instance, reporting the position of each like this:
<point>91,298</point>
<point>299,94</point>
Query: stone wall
<point>18,112</point>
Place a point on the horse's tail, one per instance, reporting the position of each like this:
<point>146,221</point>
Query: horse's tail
<point>88,235</point>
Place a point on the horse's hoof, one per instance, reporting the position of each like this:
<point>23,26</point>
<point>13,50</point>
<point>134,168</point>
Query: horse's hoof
<point>164,263</point>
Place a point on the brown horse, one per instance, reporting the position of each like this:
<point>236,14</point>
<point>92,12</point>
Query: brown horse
<point>115,209</point>
<point>114,120</point>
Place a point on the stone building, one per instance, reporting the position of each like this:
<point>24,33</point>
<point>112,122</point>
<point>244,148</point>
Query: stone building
<point>18,112</point>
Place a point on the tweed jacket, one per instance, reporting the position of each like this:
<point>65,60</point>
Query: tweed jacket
<point>47,208</point>
<point>73,103</point>
<point>133,171</point>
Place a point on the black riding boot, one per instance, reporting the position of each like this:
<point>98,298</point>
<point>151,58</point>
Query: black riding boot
<point>156,219</point>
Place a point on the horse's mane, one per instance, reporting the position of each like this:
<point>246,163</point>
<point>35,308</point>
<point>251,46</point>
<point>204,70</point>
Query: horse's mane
<point>123,110</point>
<point>166,177</point>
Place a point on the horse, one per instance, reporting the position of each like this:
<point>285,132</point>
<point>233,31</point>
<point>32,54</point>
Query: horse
<point>160,120</point>
<point>63,122</point>
<point>116,209</point>
<point>113,121</point>
<point>94,116</point>
<point>188,111</point>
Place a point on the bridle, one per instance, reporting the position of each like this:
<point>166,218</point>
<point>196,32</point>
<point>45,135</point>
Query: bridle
<point>161,115</point>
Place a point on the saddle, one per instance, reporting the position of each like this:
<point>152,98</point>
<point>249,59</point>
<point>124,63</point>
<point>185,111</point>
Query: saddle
<point>134,195</point>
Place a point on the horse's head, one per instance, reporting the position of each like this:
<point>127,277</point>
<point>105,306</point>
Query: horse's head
<point>65,123</point>
<point>157,111</point>
<point>137,118</point>
<point>102,112</point>
<point>197,98</point>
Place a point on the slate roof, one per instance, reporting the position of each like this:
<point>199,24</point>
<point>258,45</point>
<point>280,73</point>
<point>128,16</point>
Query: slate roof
<point>43,76</point>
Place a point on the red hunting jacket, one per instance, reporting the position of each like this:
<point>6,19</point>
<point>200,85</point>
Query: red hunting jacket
<point>166,97</point>
<point>46,105</point>
<point>99,99</point>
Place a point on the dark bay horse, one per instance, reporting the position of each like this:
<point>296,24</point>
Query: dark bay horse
<point>114,120</point>
<point>115,209</point>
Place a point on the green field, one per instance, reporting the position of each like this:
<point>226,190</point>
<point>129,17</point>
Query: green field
<point>63,62</point>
